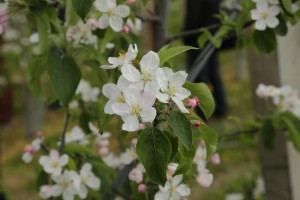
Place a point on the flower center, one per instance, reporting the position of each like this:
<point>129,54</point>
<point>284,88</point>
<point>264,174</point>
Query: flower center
<point>135,109</point>
<point>172,90</point>
<point>54,164</point>
<point>264,15</point>
<point>172,189</point>
<point>84,180</point>
<point>110,12</point>
<point>64,184</point>
<point>121,99</point>
<point>121,56</point>
<point>146,76</point>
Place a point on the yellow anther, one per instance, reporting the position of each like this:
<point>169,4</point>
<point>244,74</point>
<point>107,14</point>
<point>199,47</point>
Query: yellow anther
<point>121,99</point>
<point>135,109</point>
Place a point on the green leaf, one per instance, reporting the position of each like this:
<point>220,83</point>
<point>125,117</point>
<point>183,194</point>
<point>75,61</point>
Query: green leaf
<point>282,28</point>
<point>268,133</point>
<point>203,38</point>
<point>200,90</point>
<point>286,6</point>
<point>265,41</point>
<point>174,144</point>
<point>64,75</point>
<point>181,126</point>
<point>210,137</point>
<point>145,2</point>
<point>42,21</point>
<point>166,54</point>
<point>34,72</point>
<point>77,148</point>
<point>154,151</point>
<point>42,179</point>
<point>82,7</point>
<point>292,123</point>
<point>186,159</point>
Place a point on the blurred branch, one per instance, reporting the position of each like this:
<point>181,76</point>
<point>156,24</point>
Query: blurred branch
<point>45,148</point>
<point>63,137</point>
<point>148,18</point>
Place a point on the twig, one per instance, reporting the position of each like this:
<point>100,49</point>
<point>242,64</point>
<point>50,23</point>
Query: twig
<point>63,137</point>
<point>45,148</point>
<point>148,19</point>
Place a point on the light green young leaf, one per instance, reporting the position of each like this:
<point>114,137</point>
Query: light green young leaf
<point>165,54</point>
<point>64,75</point>
<point>154,151</point>
<point>181,127</point>
<point>34,71</point>
<point>200,90</point>
<point>77,149</point>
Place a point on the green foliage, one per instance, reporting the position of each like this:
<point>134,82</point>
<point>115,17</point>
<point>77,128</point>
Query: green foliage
<point>64,75</point>
<point>75,148</point>
<point>282,28</point>
<point>174,144</point>
<point>268,133</point>
<point>82,8</point>
<point>265,41</point>
<point>181,127</point>
<point>186,159</point>
<point>42,179</point>
<point>292,124</point>
<point>165,53</point>
<point>200,90</point>
<point>34,71</point>
<point>154,151</point>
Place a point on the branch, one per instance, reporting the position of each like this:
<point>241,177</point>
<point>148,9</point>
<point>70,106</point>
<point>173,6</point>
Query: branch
<point>148,19</point>
<point>45,148</point>
<point>63,137</point>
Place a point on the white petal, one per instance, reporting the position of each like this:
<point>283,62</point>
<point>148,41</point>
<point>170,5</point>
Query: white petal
<point>103,21</point>
<point>56,190</point>
<point>260,25</point>
<point>162,78</point>
<point>148,114</point>
<point>63,160</point>
<point>111,91</point>
<point>94,182</point>
<point>274,10</point>
<point>67,195</point>
<point>162,195</point>
<point>180,105</point>
<point>107,108</point>
<point>86,170</point>
<point>111,3</point>
<point>149,62</point>
<point>255,15</point>
<point>183,93</point>
<point>121,109</point>
<point>131,123</point>
<point>122,11</point>
<point>116,23</point>
<point>183,190</point>
<point>262,5</point>
<point>162,97</point>
<point>130,73</point>
<point>176,180</point>
<point>115,61</point>
<point>54,154</point>
<point>101,5</point>
<point>272,22</point>
<point>178,78</point>
<point>148,99</point>
<point>108,66</point>
<point>133,95</point>
<point>123,83</point>
<point>44,160</point>
<point>131,53</point>
<point>76,180</point>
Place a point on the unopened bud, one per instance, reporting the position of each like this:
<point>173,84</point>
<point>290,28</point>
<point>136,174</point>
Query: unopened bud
<point>192,103</point>
<point>126,29</point>
<point>131,2</point>
<point>29,149</point>
<point>92,23</point>
<point>103,143</point>
<point>133,142</point>
<point>215,159</point>
<point>103,151</point>
<point>197,123</point>
<point>39,134</point>
<point>142,188</point>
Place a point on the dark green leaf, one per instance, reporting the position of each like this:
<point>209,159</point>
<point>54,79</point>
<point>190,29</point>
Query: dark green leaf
<point>282,28</point>
<point>268,133</point>
<point>64,75</point>
<point>166,54</point>
<point>186,159</point>
<point>154,151</point>
<point>292,123</point>
<point>200,90</point>
<point>174,144</point>
<point>181,126</point>
<point>34,72</point>
<point>265,41</point>
<point>82,7</point>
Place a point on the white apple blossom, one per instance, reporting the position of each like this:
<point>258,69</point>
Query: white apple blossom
<point>123,59</point>
<point>64,185</point>
<point>171,87</point>
<point>46,191</point>
<point>53,163</point>
<point>271,2</point>
<point>146,78</point>
<point>136,174</point>
<point>173,190</point>
<point>76,135</point>
<point>114,93</point>
<point>82,34</point>
<point>85,179</point>
<point>113,14</point>
<point>27,157</point>
<point>128,156</point>
<point>205,178</point>
<point>134,27</point>
<point>138,106</point>
<point>112,161</point>
<point>87,92</point>
<point>265,15</point>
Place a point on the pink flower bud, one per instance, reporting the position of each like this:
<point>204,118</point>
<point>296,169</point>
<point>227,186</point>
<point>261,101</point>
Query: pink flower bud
<point>29,149</point>
<point>215,159</point>
<point>92,23</point>
<point>133,142</point>
<point>136,175</point>
<point>103,151</point>
<point>39,134</point>
<point>141,126</point>
<point>197,124</point>
<point>131,2</point>
<point>103,143</point>
<point>192,103</point>
<point>126,29</point>
<point>202,143</point>
<point>142,188</point>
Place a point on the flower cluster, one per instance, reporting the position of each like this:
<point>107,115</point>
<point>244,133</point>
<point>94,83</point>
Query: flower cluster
<point>76,135</point>
<point>137,90</point>
<point>285,97</point>
<point>34,147</point>
<point>81,33</point>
